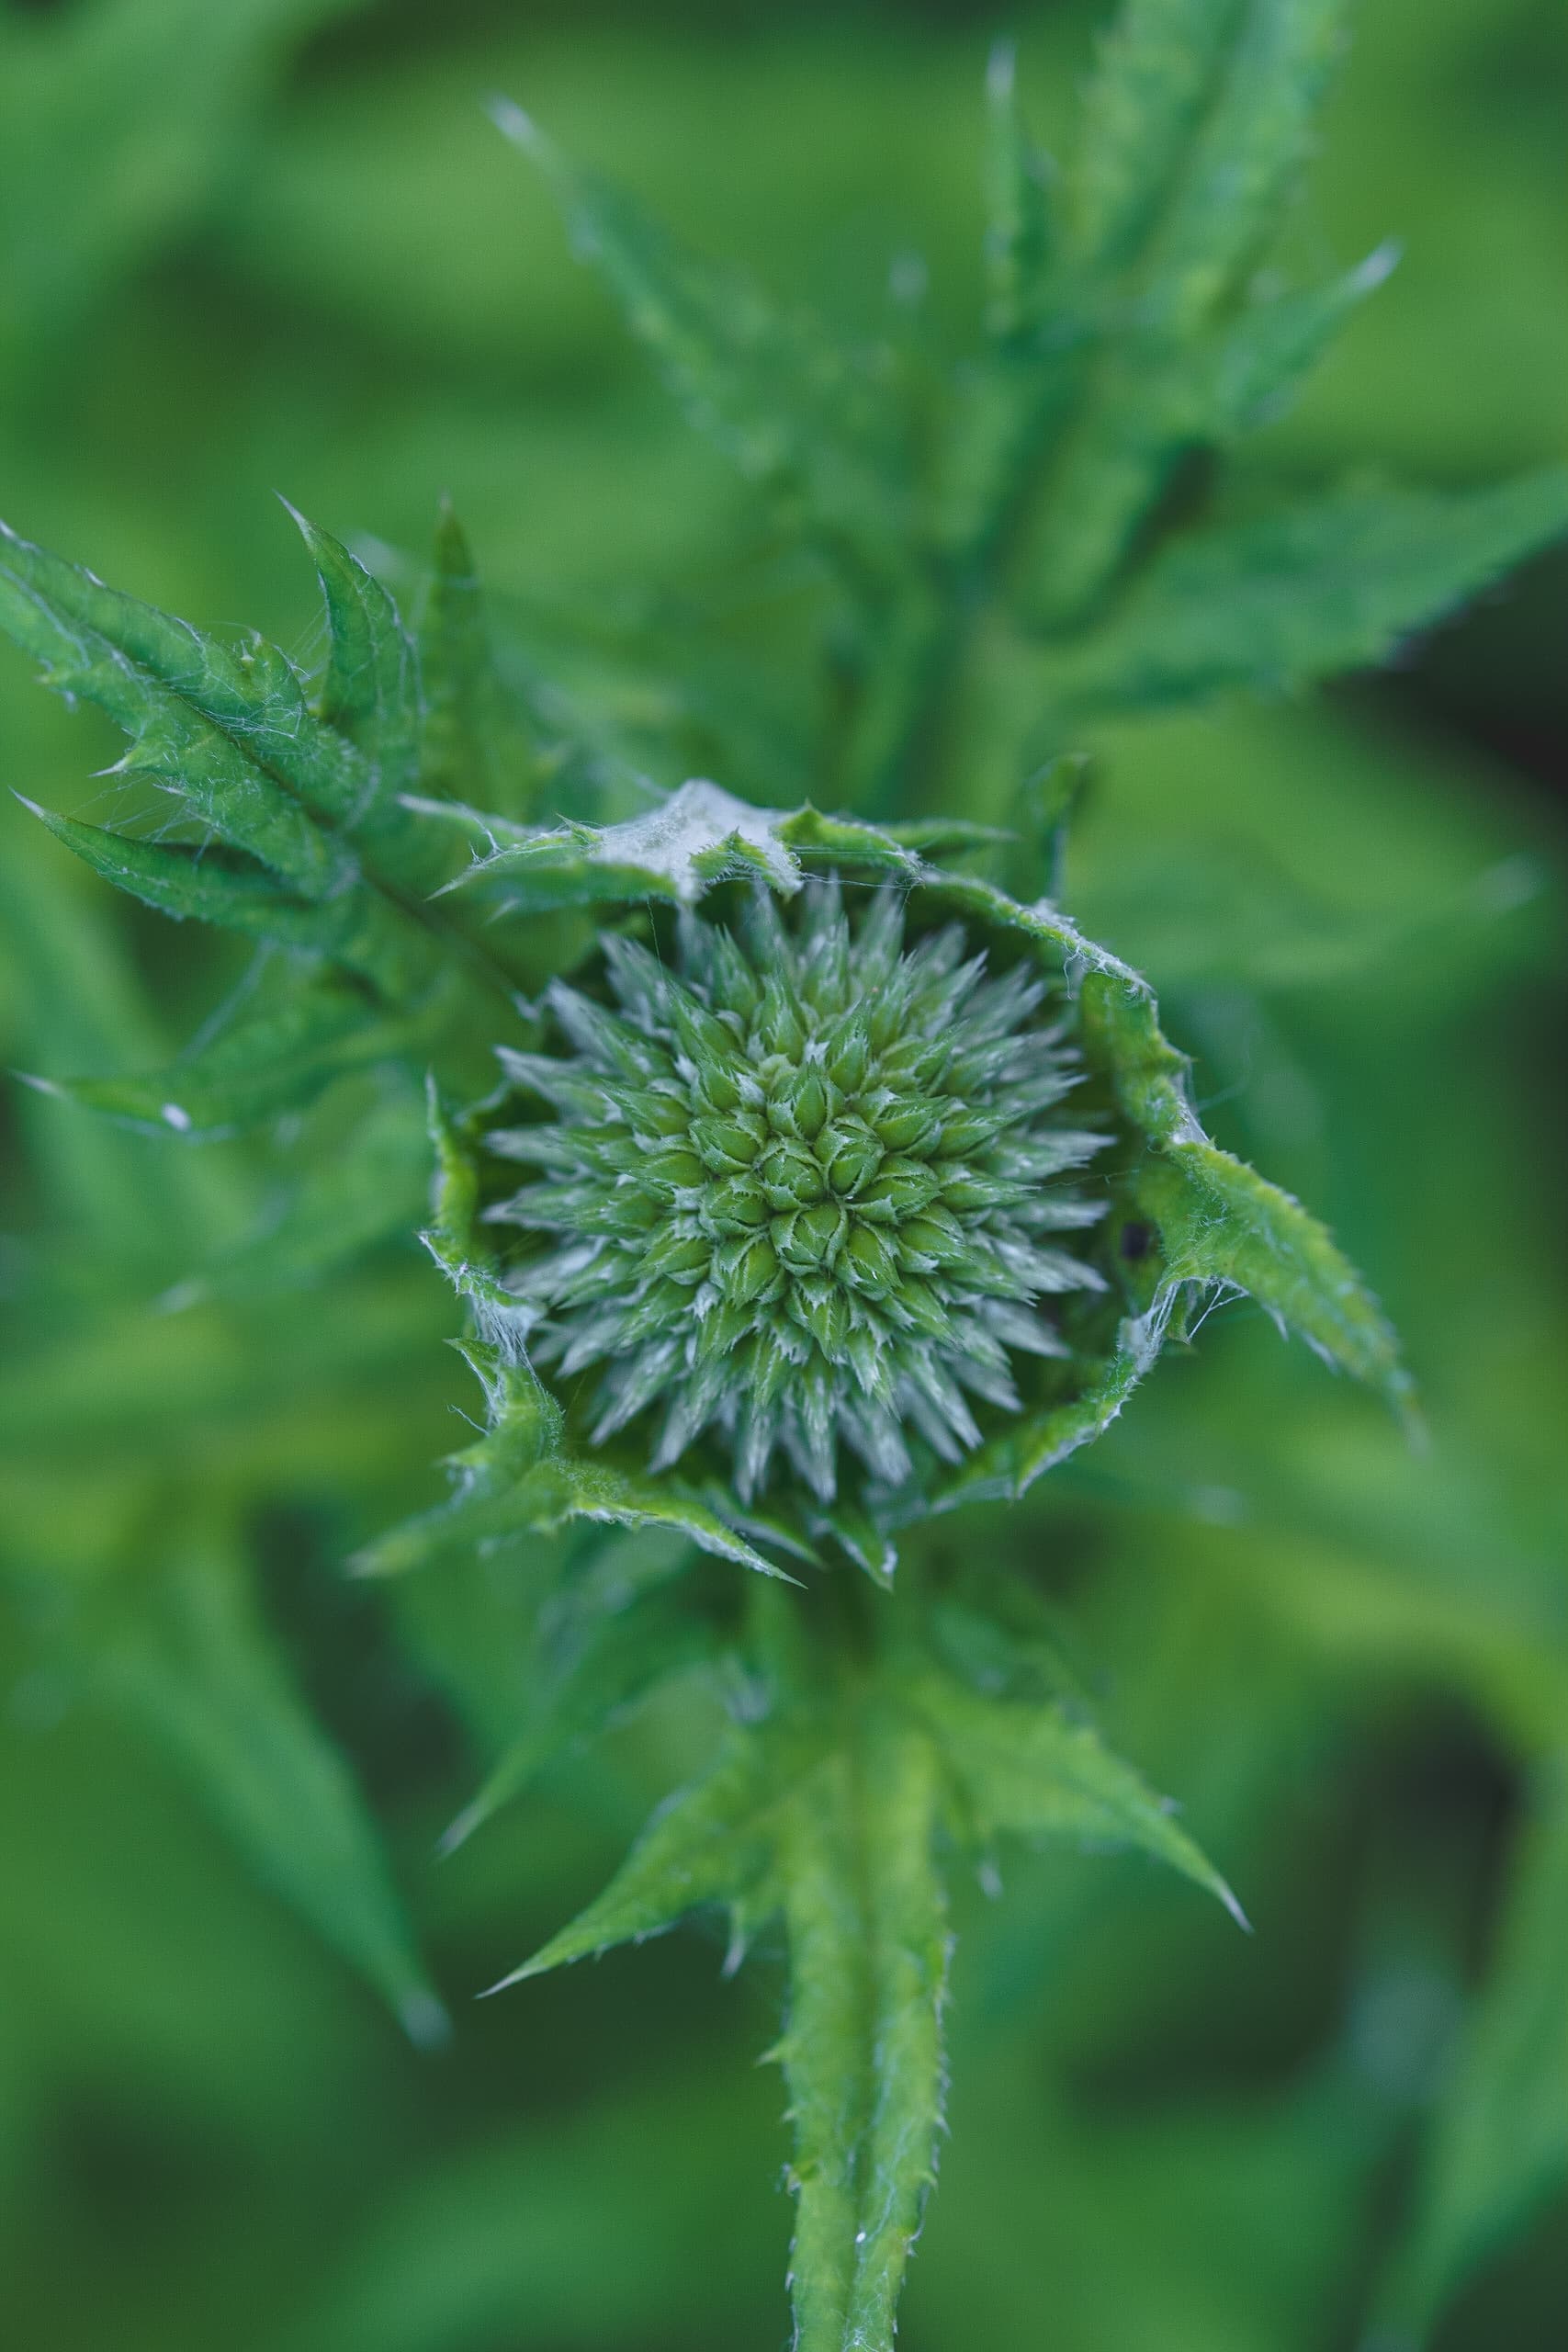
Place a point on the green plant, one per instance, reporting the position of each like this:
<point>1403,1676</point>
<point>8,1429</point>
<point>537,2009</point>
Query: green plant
<point>996,559</point>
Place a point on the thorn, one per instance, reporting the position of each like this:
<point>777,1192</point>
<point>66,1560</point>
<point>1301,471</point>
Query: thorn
<point>32,807</point>
<point>41,1085</point>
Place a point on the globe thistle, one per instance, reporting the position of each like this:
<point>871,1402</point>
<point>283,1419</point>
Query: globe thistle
<point>807,1194</point>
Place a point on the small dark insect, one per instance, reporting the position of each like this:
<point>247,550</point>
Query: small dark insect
<point>1138,1240</point>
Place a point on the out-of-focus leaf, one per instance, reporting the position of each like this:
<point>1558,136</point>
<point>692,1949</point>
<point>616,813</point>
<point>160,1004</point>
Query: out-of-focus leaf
<point>618,1657</point>
<point>263,1062</point>
<point>195,1666</point>
<point>1018,220</point>
<point>1195,127</point>
<point>797,414</point>
<point>117,122</point>
<point>1498,2149</point>
<point>1324,586</point>
<point>368,1189</point>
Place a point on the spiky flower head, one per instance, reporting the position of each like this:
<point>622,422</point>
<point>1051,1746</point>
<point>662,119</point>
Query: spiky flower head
<point>807,1193</point>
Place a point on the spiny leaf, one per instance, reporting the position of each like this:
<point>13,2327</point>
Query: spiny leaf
<point>710,1844</point>
<point>1247,151</point>
<point>371,690</point>
<point>357,930</point>
<point>1319,587</point>
<point>1032,1771</point>
<point>197,1668</point>
<point>674,852</point>
<point>229,734</point>
<point>1195,131</point>
<point>519,1478</point>
<point>457,1244</point>
<point>866,1918</point>
<point>1220,1222</point>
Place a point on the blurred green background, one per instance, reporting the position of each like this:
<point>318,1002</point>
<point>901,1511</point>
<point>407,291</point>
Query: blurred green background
<point>276,246</point>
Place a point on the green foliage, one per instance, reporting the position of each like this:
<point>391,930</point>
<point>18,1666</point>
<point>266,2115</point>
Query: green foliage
<point>972,569</point>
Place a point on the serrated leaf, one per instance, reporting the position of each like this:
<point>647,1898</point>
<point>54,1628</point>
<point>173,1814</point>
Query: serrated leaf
<point>1154,74</point>
<point>1195,130</point>
<point>197,1670</point>
<point>710,1844</point>
<point>356,930</point>
<point>229,734</point>
<point>1016,223</point>
<point>862,2050</point>
<point>370,692</point>
<point>1317,588</point>
<point>794,413</point>
<point>458,1245</point>
<point>1219,1221</point>
<point>519,1478</point>
<point>472,748</point>
<point>1033,1771</point>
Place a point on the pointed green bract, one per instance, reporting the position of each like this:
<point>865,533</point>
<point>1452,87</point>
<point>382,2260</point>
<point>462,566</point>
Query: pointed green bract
<point>1031,1771</point>
<point>519,1478</point>
<point>711,1844</point>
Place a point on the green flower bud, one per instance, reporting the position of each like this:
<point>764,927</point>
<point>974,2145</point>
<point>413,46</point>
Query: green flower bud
<point>749,1232</point>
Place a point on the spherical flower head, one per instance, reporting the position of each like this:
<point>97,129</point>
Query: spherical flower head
<point>806,1195</point>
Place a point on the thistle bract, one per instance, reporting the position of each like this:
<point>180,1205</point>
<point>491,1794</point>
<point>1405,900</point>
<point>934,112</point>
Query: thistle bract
<point>807,1192</point>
